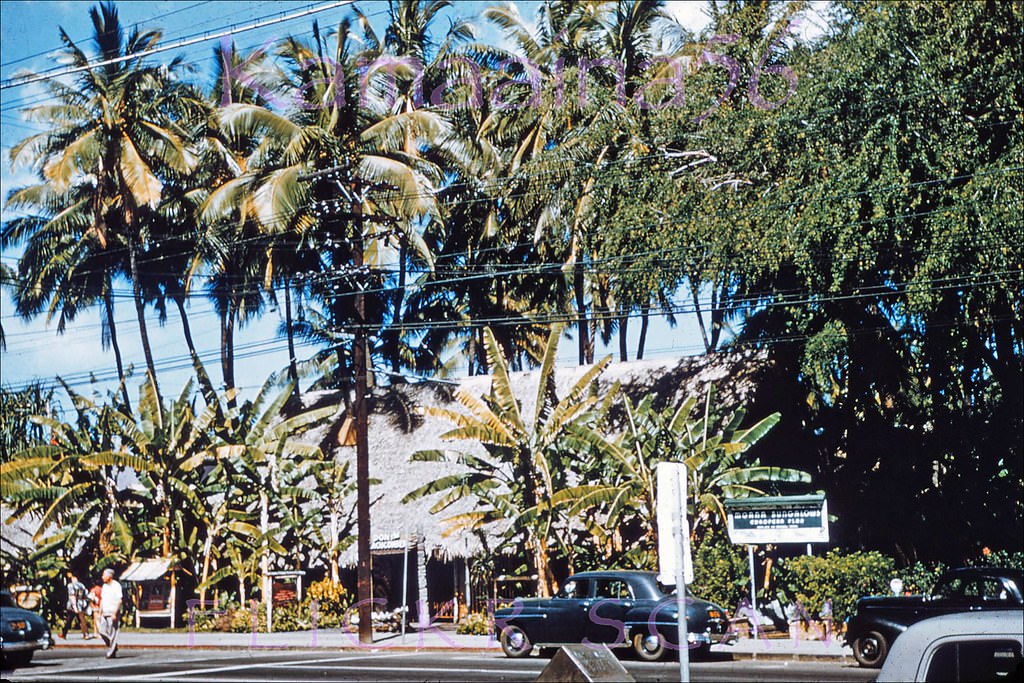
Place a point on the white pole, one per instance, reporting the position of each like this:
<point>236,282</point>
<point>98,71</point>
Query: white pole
<point>753,591</point>
<point>681,528</point>
<point>405,583</point>
<point>754,588</point>
<point>455,594</point>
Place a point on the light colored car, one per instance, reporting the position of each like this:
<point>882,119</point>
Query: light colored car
<point>968,646</point>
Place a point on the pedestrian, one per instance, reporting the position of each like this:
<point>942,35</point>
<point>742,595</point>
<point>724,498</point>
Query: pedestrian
<point>76,606</point>
<point>111,599</point>
<point>95,594</point>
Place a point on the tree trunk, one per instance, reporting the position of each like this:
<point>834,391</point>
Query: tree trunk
<point>645,319</point>
<point>583,332</point>
<point>140,313</point>
<point>545,579</point>
<point>227,350</point>
<point>265,553</point>
<point>396,314</point>
<point>205,383</point>
<point>333,549</point>
<point>108,303</point>
<point>207,552</point>
<point>293,371</point>
<point>623,330</point>
<point>700,317</point>
<point>717,315</point>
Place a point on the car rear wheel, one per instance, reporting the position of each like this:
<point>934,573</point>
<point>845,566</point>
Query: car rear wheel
<point>870,649</point>
<point>648,646</point>
<point>514,642</point>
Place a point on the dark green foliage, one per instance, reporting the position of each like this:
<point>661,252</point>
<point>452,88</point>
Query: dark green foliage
<point>838,576</point>
<point>720,572</point>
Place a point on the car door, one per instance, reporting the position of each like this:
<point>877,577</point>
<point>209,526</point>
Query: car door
<point>947,597</point>
<point>613,597</point>
<point>566,614</point>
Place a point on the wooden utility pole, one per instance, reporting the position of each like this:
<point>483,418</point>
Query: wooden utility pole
<point>353,189</point>
<point>364,587</point>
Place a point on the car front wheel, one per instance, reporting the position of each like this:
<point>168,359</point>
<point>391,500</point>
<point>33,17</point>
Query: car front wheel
<point>870,649</point>
<point>649,647</point>
<point>16,660</point>
<point>514,642</point>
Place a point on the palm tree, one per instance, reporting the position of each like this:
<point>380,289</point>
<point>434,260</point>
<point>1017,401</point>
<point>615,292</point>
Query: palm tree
<point>525,461</point>
<point>108,140</point>
<point>64,266</point>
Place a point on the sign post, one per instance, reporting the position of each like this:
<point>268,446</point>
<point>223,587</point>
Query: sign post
<point>776,519</point>
<point>674,560</point>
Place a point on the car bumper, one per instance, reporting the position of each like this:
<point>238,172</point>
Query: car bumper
<point>44,643</point>
<point>704,638</point>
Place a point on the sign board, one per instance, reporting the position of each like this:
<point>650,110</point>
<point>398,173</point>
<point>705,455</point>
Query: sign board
<point>673,529</point>
<point>778,519</point>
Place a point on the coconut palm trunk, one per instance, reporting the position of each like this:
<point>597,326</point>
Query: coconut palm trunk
<point>140,313</point>
<point>205,384</point>
<point>111,326</point>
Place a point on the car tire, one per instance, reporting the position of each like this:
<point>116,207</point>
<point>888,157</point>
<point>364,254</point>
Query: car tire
<point>514,642</point>
<point>16,660</point>
<point>650,647</point>
<point>870,649</point>
<point>702,651</point>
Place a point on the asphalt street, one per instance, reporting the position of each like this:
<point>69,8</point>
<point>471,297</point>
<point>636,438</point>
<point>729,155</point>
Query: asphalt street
<point>198,666</point>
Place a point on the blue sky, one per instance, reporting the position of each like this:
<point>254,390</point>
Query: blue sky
<point>29,38</point>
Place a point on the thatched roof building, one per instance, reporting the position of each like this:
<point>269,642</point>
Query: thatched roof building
<point>397,429</point>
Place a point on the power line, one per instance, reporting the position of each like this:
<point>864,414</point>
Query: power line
<point>57,73</point>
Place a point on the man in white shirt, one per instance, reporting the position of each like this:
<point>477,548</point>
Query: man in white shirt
<point>111,597</point>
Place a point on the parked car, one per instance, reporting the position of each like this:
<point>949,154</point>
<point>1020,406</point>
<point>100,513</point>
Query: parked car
<point>971,646</point>
<point>878,621</point>
<point>624,609</point>
<point>22,632</point>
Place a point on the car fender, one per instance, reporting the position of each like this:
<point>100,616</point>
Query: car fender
<point>862,624</point>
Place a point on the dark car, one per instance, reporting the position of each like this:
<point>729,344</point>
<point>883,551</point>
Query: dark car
<point>21,633</point>
<point>878,621</point>
<point>618,608</point>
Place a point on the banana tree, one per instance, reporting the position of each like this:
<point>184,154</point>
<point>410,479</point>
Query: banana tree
<point>620,491</point>
<point>68,487</point>
<point>525,460</point>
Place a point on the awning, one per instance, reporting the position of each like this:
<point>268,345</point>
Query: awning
<point>146,570</point>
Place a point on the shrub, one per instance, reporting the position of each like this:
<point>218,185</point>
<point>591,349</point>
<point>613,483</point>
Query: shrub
<point>475,624</point>
<point>720,571</point>
<point>999,558</point>
<point>332,598</point>
<point>920,577</point>
<point>839,577</point>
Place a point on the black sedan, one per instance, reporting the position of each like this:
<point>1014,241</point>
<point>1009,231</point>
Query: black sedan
<point>879,620</point>
<point>617,608</point>
<point>21,633</point>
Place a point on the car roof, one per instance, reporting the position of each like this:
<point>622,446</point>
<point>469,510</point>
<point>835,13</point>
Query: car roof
<point>908,650</point>
<point>989,571</point>
<point>603,573</point>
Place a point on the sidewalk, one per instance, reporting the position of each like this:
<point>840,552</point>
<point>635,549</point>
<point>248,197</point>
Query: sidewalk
<point>441,637</point>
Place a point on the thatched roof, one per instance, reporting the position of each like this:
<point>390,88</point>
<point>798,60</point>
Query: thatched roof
<point>396,431</point>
